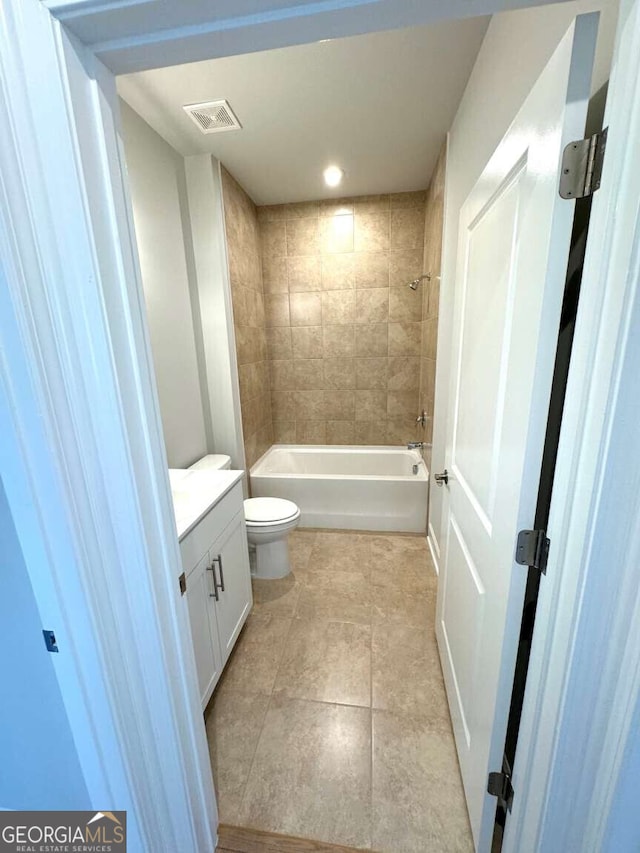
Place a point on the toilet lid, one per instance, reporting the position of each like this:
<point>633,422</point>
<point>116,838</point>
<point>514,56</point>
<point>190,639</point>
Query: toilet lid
<point>212,461</point>
<point>268,509</point>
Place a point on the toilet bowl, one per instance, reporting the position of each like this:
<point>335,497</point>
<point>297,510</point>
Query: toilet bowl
<point>269,522</point>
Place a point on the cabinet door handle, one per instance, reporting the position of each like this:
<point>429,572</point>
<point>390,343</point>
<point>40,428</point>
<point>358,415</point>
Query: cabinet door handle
<point>218,560</point>
<point>213,594</point>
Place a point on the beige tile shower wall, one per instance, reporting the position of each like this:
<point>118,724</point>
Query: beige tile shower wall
<point>434,218</point>
<point>343,328</point>
<point>245,270</point>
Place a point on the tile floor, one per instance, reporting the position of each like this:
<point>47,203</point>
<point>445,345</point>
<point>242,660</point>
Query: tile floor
<point>330,721</point>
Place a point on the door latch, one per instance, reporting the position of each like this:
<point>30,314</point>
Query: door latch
<point>442,478</point>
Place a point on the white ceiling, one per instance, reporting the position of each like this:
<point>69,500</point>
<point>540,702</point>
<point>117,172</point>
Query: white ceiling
<point>378,105</point>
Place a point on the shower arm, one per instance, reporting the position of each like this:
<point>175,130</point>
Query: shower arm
<point>416,281</point>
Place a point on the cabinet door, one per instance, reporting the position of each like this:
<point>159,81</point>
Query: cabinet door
<point>204,633</point>
<point>231,564</point>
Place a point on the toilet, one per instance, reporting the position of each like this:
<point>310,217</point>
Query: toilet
<point>269,521</point>
<point>216,461</point>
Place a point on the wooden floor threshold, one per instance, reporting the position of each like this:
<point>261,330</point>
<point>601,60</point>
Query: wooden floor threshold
<point>237,839</point>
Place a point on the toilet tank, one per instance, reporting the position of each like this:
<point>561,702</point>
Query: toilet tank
<point>212,461</point>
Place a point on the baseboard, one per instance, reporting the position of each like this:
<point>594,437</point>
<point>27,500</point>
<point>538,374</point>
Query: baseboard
<point>433,547</point>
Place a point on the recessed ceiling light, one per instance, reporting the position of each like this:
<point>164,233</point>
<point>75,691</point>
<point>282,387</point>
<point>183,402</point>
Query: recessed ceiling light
<point>333,175</point>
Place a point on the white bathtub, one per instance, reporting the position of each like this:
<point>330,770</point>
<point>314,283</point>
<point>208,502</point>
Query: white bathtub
<point>353,488</point>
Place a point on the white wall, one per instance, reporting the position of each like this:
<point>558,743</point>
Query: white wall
<point>40,767</point>
<point>623,828</point>
<point>211,271</point>
<point>157,184</point>
<point>515,49</point>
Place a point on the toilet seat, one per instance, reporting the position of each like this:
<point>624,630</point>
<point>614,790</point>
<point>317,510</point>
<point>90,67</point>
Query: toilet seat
<point>261,512</point>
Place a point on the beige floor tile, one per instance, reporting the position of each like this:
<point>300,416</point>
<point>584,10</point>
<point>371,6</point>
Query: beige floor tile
<point>402,561</point>
<point>418,802</point>
<point>311,773</point>
<point>298,760</point>
<point>328,662</point>
<point>341,552</point>
<point>397,545</point>
<point>402,603</point>
<point>254,662</point>
<point>406,674</point>
<point>398,552</point>
<point>301,544</point>
<point>402,550</point>
<point>412,576</point>
<point>278,597</point>
<point>234,722</point>
<point>338,596</point>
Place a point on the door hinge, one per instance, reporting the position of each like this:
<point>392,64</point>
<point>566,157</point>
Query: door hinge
<point>182,580</point>
<point>499,785</point>
<point>532,549</point>
<point>581,171</point>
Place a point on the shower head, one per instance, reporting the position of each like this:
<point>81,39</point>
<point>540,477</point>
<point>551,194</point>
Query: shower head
<point>414,284</point>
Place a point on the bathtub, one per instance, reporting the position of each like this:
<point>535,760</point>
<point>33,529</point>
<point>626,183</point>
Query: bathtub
<point>353,488</point>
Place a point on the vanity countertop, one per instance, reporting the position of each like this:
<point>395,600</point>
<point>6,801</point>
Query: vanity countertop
<point>196,492</point>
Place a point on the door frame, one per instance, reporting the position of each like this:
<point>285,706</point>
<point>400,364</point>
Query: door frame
<point>82,458</point>
<point>78,404</point>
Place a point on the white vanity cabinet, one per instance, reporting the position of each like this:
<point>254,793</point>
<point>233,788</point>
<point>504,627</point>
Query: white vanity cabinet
<point>230,559</point>
<point>204,629</point>
<point>215,559</point>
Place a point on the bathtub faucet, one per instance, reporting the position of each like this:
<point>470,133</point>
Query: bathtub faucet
<point>416,445</point>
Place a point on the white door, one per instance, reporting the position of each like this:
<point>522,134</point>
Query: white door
<point>230,556</point>
<point>513,244</point>
<point>204,632</point>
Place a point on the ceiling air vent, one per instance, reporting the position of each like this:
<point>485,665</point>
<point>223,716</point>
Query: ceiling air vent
<point>213,117</point>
